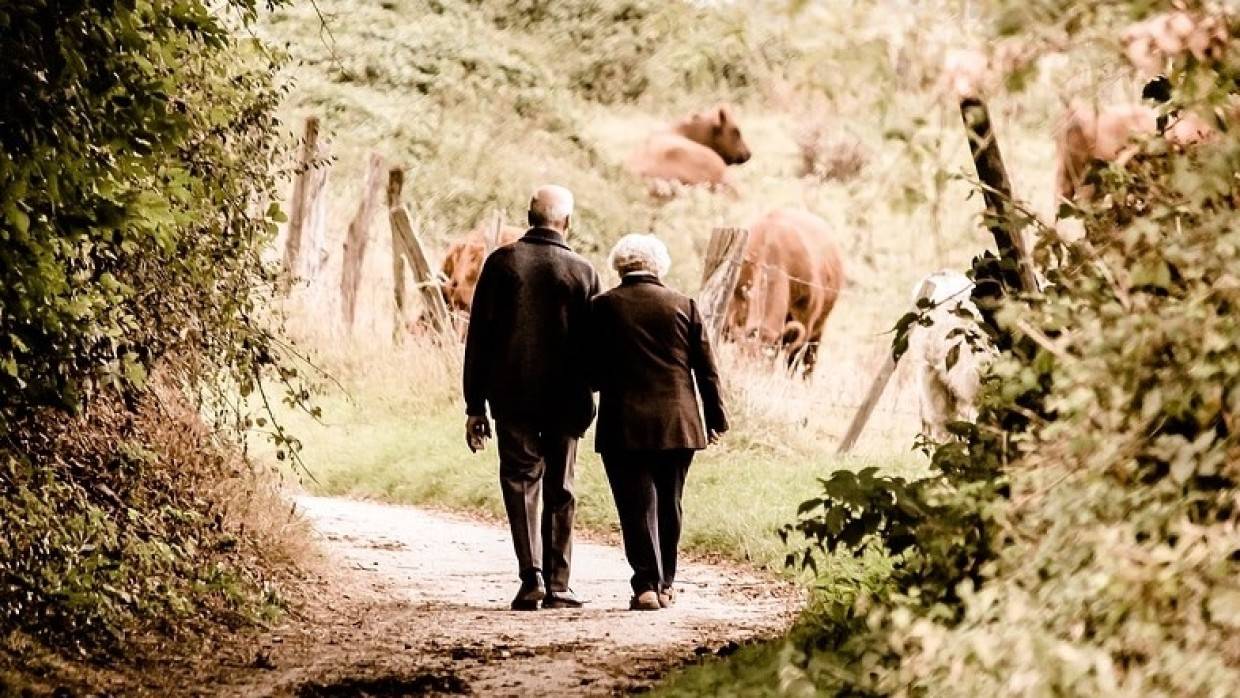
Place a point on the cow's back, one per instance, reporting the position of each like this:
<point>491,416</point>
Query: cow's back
<point>674,158</point>
<point>802,244</point>
<point>795,250</point>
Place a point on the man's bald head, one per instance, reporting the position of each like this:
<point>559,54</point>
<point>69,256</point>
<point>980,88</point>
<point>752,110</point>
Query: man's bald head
<point>551,207</point>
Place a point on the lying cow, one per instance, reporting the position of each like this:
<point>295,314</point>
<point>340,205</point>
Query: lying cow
<point>462,263</point>
<point>1111,135</point>
<point>788,283</point>
<point>697,150</point>
<point>945,394</point>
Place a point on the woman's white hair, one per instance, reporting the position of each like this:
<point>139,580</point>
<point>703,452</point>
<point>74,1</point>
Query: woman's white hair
<point>640,252</point>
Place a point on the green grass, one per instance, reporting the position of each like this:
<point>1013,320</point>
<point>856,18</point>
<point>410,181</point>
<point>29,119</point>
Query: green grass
<point>752,671</point>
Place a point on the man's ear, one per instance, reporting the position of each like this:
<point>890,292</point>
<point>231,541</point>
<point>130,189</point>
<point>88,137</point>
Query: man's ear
<point>568,223</point>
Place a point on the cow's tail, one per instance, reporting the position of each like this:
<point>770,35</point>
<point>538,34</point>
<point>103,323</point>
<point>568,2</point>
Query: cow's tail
<point>795,335</point>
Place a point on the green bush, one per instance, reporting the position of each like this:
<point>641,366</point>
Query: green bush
<point>1081,538</point>
<point>138,160</point>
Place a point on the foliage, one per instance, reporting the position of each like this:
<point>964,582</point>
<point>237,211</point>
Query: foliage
<point>1081,538</point>
<point>138,161</point>
<point>137,165</point>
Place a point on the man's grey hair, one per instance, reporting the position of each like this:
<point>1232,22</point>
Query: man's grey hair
<point>640,253</point>
<point>551,205</point>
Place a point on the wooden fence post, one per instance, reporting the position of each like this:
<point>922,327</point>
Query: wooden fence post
<point>305,234</point>
<point>997,193</point>
<point>358,238</point>
<point>406,245</point>
<point>879,384</point>
<point>721,267</point>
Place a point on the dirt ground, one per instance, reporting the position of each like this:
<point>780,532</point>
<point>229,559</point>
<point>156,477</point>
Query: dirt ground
<point>411,602</point>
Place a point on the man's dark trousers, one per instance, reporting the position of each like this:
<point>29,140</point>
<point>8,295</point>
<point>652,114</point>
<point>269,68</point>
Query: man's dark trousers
<point>536,471</point>
<point>647,486</point>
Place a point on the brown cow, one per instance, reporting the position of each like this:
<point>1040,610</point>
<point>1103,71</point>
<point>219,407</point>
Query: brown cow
<point>463,262</point>
<point>696,150</point>
<point>789,281</point>
<point>1110,135</point>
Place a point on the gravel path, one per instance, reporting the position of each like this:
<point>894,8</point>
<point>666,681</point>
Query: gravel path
<point>417,603</point>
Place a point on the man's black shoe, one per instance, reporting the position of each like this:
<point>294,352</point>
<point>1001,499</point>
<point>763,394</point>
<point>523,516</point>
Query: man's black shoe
<point>532,591</point>
<point>562,599</point>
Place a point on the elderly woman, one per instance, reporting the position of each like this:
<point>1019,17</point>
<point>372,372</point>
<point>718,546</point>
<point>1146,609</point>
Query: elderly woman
<point>648,347</point>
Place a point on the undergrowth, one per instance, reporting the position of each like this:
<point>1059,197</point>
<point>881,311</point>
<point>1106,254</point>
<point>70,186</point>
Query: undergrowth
<point>139,157</point>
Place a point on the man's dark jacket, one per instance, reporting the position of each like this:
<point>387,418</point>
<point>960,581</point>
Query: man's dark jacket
<point>647,346</point>
<point>524,349</point>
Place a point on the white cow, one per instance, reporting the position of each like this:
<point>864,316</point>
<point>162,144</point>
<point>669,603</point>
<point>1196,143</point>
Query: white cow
<point>946,394</point>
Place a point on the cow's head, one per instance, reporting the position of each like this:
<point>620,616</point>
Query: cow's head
<point>717,129</point>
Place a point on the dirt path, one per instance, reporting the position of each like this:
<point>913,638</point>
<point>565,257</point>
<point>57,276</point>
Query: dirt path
<point>418,604</point>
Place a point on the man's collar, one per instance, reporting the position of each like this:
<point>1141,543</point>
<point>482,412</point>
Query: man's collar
<point>545,236</point>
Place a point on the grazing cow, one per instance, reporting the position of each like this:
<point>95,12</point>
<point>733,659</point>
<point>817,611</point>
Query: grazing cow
<point>946,394</point>
<point>463,262</point>
<point>1086,135</point>
<point>696,150</point>
<point>788,283</point>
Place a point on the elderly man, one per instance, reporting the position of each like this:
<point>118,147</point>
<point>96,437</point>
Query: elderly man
<point>648,348</point>
<point>523,355</point>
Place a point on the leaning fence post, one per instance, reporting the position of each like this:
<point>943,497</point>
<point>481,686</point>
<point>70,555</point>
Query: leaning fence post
<point>997,193</point>
<point>719,272</point>
<point>357,239</point>
<point>877,386</point>
<point>407,246</point>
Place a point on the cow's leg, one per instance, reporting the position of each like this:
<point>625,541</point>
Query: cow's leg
<point>816,331</point>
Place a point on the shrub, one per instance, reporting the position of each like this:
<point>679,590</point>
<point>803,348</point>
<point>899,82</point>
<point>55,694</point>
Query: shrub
<point>1081,538</point>
<point>139,159</point>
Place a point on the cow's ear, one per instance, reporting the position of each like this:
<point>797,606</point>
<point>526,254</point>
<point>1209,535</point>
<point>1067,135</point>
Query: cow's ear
<point>723,114</point>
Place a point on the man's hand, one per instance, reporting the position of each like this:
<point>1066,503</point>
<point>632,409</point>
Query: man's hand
<point>477,431</point>
<point>712,436</point>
